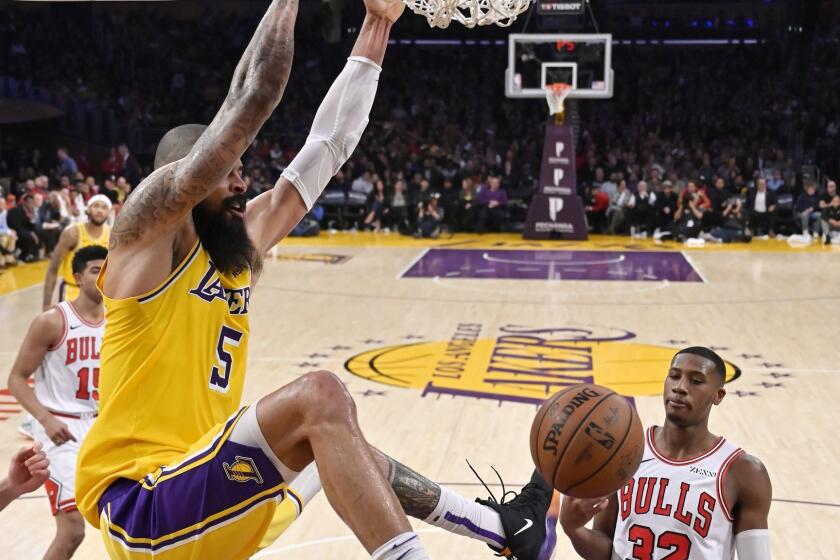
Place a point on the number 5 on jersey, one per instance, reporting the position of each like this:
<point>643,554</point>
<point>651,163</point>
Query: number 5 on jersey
<point>220,374</point>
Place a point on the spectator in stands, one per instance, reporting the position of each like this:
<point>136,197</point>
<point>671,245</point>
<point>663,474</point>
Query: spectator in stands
<point>831,221</point>
<point>399,209</point>
<point>8,237</point>
<point>644,213</point>
<point>621,206</point>
<point>807,209</point>
<point>49,221</point>
<point>492,205</point>
<point>692,205</point>
<point>363,183</point>
<point>129,166</point>
<point>761,210</point>
<point>718,196</point>
<point>21,219</point>
<point>597,203</point>
<point>610,186</point>
<point>775,181</point>
<point>109,189</point>
<point>733,223</point>
<point>828,196</point>
<point>449,202</point>
<point>429,217</point>
<point>66,165</point>
<point>377,206</point>
<point>111,164</point>
<point>468,205</point>
<point>123,188</point>
<point>666,208</point>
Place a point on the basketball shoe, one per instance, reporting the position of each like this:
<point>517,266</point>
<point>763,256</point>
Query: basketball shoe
<point>529,520</point>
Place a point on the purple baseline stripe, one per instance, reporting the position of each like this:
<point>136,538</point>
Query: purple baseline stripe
<point>639,266</point>
<point>475,529</point>
<point>189,498</point>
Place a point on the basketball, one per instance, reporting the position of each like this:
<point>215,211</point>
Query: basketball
<point>587,441</point>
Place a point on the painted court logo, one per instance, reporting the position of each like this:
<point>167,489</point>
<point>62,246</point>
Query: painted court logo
<point>521,363</point>
<point>243,470</point>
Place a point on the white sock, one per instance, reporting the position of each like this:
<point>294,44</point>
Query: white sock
<point>405,546</point>
<point>458,515</point>
<point>304,487</point>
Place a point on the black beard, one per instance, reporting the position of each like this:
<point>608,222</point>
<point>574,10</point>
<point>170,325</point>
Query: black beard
<point>224,238</point>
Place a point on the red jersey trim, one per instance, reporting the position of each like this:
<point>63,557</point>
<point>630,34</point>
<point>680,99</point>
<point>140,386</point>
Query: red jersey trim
<point>82,319</point>
<point>661,456</point>
<point>65,322</point>
<point>721,483</point>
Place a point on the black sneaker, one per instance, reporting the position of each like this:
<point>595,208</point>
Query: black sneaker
<point>529,528</point>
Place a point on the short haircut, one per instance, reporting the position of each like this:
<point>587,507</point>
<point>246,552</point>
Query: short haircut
<point>710,355</point>
<point>177,143</point>
<point>86,254</point>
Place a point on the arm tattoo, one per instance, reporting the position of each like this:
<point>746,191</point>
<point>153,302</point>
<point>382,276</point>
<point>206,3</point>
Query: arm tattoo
<point>169,194</point>
<point>417,494</point>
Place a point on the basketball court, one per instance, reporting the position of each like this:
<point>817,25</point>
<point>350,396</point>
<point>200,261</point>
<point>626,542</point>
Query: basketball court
<point>381,311</point>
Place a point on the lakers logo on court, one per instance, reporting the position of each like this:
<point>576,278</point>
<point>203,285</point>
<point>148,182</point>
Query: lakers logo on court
<point>521,363</point>
<point>243,470</point>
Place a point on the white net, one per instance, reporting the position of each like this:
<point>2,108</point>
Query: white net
<point>468,12</point>
<point>555,95</point>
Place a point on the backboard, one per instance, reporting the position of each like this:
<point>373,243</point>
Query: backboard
<point>537,60</point>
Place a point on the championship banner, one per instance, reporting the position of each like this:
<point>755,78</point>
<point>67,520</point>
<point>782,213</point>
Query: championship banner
<point>556,211</point>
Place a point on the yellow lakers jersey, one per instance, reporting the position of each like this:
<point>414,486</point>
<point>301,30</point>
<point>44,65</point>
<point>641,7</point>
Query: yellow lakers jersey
<point>172,367</point>
<point>85,240</point>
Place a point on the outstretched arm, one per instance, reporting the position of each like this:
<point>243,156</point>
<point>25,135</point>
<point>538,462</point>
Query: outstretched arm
<point>165,198</point>
<point>339,123</point>
<point>66,243</point>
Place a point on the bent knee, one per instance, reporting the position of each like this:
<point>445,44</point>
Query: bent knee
<point>326,394</point>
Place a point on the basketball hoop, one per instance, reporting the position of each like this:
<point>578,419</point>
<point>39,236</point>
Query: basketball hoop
<point>555,95</point>
<point>468,12</point>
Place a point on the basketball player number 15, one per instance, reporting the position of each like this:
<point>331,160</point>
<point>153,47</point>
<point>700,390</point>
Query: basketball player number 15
<point>220,374</point>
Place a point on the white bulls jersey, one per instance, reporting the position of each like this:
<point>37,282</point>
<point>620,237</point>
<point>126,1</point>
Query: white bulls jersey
<point>68,377</point>
<point>675,510</point>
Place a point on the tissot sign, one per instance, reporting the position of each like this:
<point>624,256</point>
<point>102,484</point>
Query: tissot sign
<point>555,8</point>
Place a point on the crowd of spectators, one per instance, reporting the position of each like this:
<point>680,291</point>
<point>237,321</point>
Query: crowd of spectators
<point>695,141</point>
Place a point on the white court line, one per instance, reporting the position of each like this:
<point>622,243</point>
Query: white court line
<point>694,266</point>
<point>413,262</point>
<point>648,287</point>
<point>488,258</point>
<point>272,551</point>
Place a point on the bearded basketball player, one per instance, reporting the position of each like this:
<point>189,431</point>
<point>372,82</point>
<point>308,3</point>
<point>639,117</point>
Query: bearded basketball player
<point>173,467</point>
<point>83,234</point>
<point>695,496</point>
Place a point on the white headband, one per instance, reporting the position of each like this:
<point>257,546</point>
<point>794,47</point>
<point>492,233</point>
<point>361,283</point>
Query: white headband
<point>99,198</point>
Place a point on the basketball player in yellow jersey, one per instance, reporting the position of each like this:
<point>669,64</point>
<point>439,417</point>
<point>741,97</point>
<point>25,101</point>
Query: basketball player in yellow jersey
<point>173,467</point>
<point>93,232</point>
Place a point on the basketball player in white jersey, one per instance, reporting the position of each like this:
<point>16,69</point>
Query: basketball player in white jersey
<point>696,496</point>
<point>62,350</point>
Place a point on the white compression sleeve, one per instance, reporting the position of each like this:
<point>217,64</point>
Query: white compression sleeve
<point>753,544</point>
<point>339,123</point>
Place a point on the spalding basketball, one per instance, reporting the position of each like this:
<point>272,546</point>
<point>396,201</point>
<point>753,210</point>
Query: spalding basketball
<point>587,441</point>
